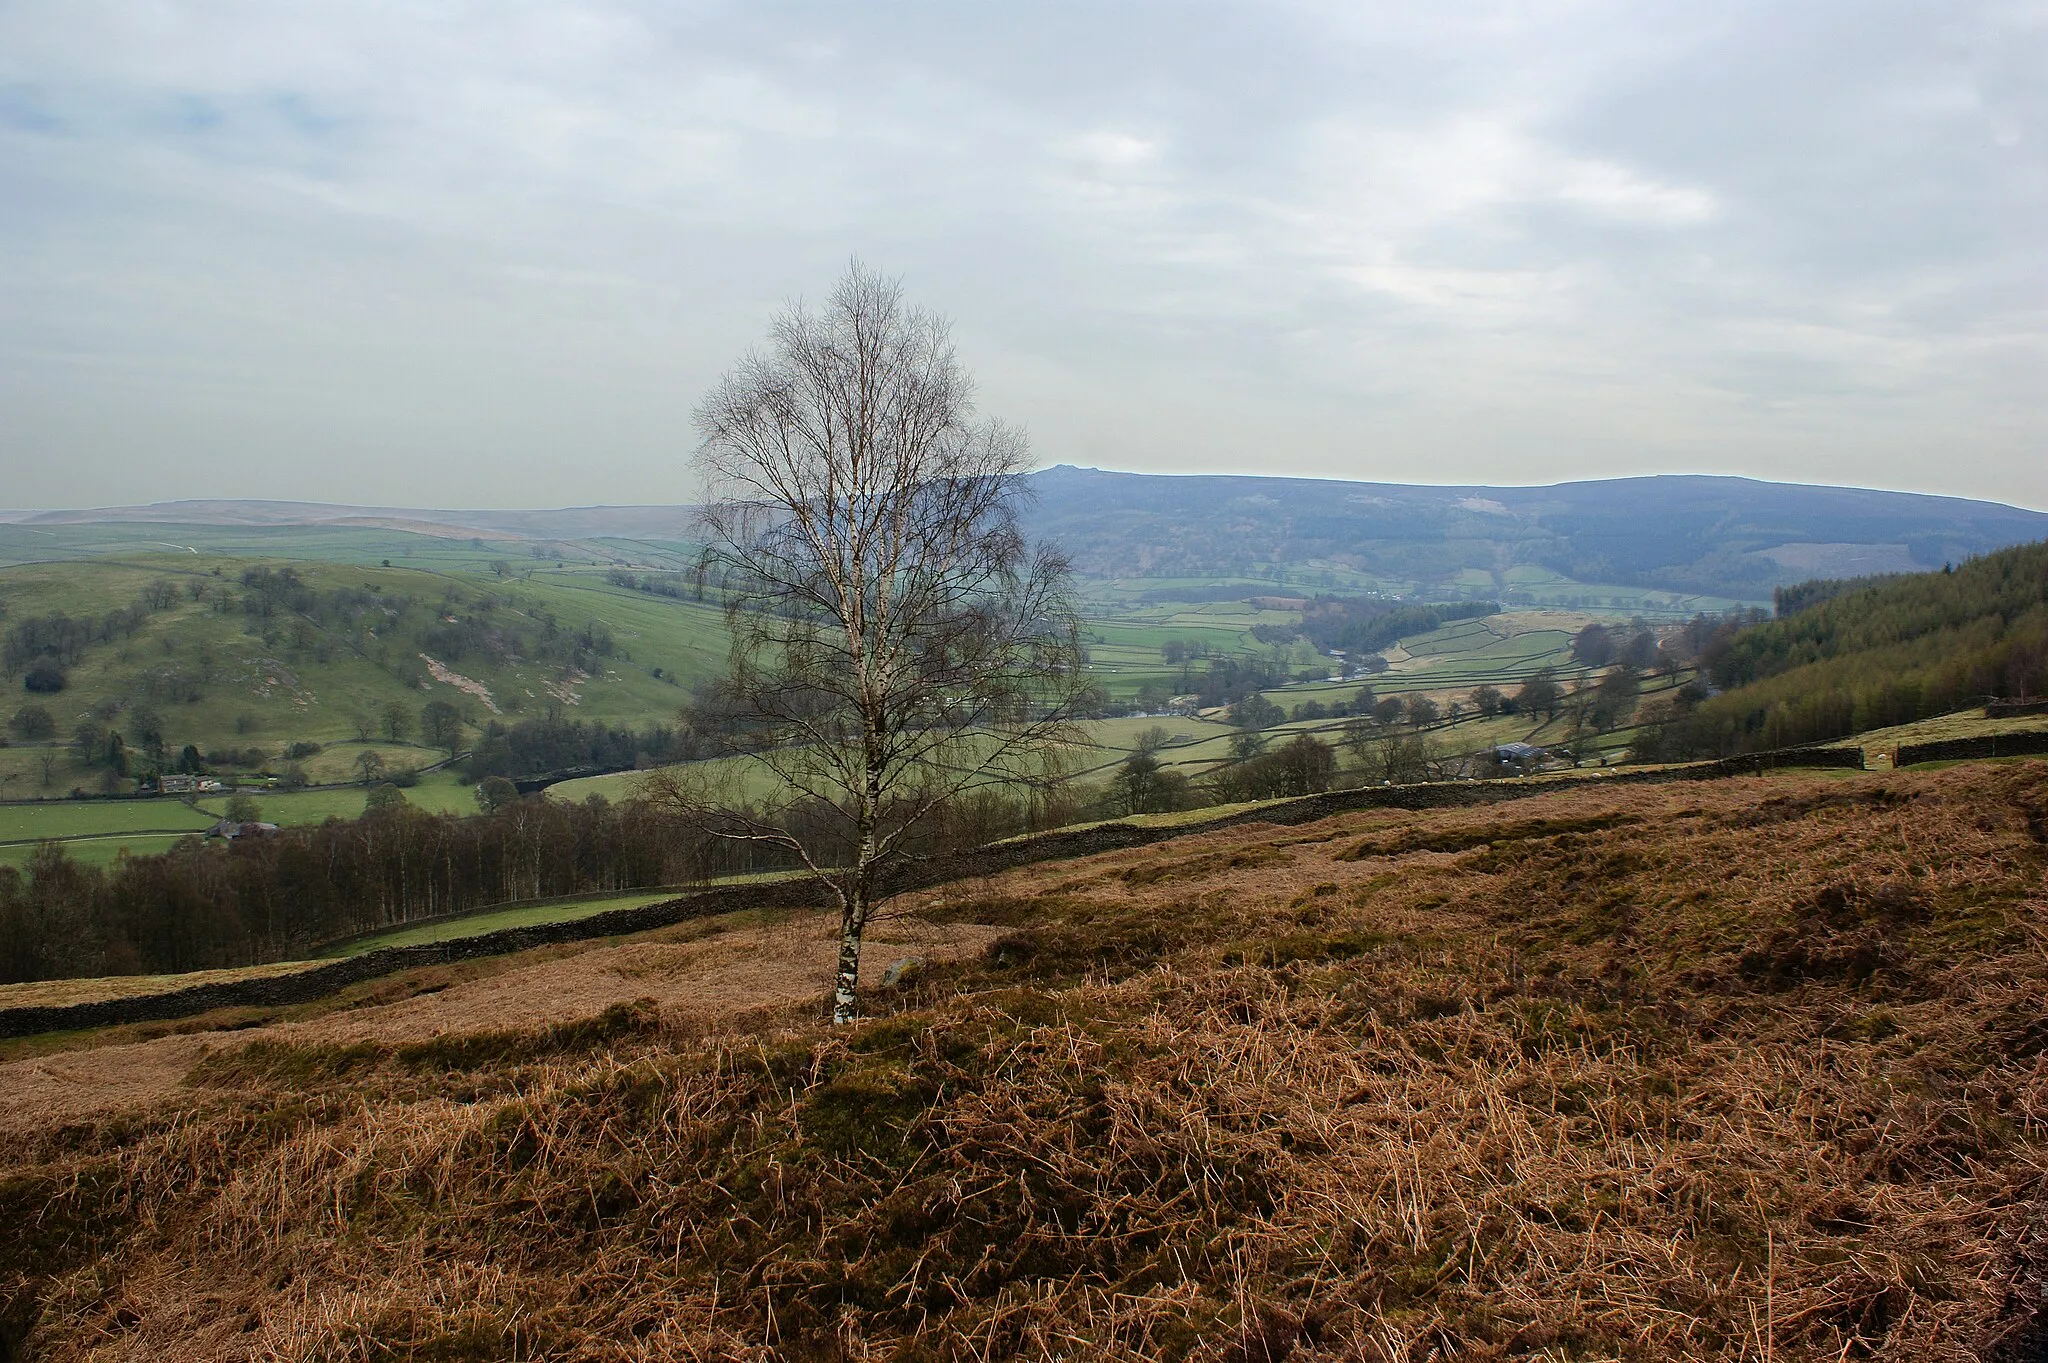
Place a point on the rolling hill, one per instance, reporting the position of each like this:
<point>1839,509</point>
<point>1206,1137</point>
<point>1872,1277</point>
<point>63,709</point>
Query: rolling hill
<point>1723,538</point>
<point>1728,537</point>
<point>238,657</point>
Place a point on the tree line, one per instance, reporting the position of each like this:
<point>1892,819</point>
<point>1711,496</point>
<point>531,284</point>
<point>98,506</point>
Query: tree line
<point>207,905</point>
<point>1363,624</point>
<point>553,743</point>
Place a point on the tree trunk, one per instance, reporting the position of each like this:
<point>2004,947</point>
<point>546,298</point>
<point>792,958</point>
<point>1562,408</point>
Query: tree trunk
<point>846,989</point>
<point>854,900</point>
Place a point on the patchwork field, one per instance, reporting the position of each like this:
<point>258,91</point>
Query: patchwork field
<point>1739,1070</point>
<point>97,831</point>
<point>228,678</point>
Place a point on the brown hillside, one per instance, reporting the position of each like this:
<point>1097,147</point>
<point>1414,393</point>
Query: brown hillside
<point>1743,1070</point>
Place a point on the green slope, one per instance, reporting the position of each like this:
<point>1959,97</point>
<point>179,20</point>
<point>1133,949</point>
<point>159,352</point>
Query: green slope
<point>227,672</point>
<point>1885,654</point>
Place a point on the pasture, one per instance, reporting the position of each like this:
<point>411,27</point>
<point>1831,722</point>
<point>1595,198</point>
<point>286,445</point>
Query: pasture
<point>100,850</point>
<point>226,678</point>
<point>97,831</point>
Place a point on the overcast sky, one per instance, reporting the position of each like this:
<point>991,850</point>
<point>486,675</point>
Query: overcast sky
<point>490,255</point>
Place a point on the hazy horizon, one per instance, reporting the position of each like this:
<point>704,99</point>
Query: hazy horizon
<point>490,260</point>
<point>508,508</point>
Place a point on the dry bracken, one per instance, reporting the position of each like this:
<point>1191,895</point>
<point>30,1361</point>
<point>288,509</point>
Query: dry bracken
<point>1748,1070</point>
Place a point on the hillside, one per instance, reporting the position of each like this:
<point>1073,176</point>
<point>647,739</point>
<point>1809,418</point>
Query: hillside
<point>567,523</point>
<point>1745,1070</point>
<point>1885,654</point>
<point>246,659</point>
<point>1727,537</point>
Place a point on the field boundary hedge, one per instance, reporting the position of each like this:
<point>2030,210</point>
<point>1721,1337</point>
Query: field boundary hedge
<point>1058,845</point>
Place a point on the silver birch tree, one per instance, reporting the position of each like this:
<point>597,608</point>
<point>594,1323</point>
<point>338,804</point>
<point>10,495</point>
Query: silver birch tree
<point>896,642</point>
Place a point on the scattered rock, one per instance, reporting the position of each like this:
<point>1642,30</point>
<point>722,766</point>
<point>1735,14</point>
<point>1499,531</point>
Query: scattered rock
<point>902,972</point>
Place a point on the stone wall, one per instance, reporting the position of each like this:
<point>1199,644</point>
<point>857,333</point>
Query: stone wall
<point>1756,763</point>
<point>1989,745</point>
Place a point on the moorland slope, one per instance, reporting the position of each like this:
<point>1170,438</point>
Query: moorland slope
<point>1752,1069</point>
<point>1733,537</point>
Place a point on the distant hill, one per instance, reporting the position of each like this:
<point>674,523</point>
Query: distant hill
<point>576,522</point>
<point>1733,537</point>
<point>1887,653</point>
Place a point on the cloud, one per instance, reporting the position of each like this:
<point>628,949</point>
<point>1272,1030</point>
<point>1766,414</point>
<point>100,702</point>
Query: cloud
<point>491,254</point>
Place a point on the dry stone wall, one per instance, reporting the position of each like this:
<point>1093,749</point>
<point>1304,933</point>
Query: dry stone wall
<point>1988,745</point>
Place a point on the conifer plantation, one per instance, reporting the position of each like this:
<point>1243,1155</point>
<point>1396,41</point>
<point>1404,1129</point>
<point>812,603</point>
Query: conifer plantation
<point>1864,657</point>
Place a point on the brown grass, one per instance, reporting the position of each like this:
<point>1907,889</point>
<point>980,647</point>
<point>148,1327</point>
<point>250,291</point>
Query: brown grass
<point>1750,1070</point>
<point>698,971</point>
<point>1959,724</point>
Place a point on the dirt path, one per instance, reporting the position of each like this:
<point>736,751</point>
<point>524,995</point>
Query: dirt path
<point>702,972</point>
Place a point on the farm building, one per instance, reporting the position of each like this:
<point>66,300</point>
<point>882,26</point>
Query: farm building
<point>230,830</point>
<point>1519,755</point>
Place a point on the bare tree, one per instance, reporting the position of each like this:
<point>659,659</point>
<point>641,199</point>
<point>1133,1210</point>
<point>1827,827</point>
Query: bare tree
<point>895,641</point>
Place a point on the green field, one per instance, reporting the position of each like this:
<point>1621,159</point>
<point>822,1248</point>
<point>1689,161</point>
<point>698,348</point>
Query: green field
<point>1124,649</point>
<point>82,818</point>
<point>96,851</point>
<point>95,831</point>
<point>1446,663</point>
<point>438,793</point>
<point>522,916</point>
<point>1498,650</point>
